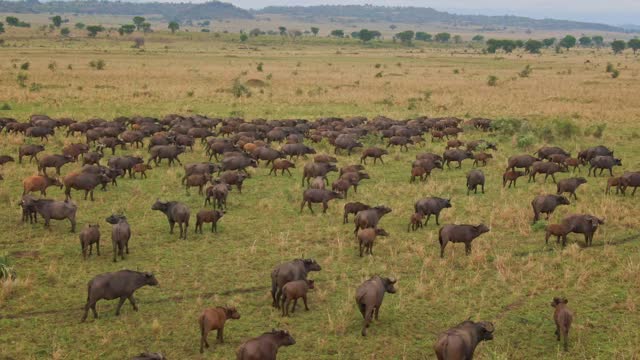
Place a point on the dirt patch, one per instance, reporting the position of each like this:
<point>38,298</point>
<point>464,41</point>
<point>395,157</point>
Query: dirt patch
<point>256,83</point>
<point>25,254</point>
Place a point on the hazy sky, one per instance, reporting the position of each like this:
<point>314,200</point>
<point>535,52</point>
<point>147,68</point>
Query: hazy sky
<point>606,11</point>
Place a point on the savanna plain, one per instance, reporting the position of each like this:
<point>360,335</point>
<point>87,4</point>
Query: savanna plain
<point>565,99</point>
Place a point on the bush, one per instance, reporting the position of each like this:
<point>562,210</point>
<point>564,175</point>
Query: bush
<point>52,66</point>
<point>610,67</point>
<point>525,141</point>
<point>25,66</point>
<point>539,225</point>
<point>259,67</point>
<point>507,126</point>
<point>525,72</point>
<point>492,80</point>
<point>5,106</point>
<point>98,64</point>
<point>566,128</point>
<point>238,89</point>
<point>6,270</point>
<point>615,73</point>
<point>22,78</point>
<point>545,133</point>
<point>596,131</point>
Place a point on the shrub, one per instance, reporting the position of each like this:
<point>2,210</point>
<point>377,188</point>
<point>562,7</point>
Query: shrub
<point>525,72</point>
<point>6,270</point>
<point>507,126</point>
<point>596,130</point>
<point>5,106</point>
<point>98,64</point>
<point>610,67</point>
<point>22,78</point>
<point>492,80</point>
<point>190,93</point>
<point>238,89</point>
<point>259,67</point>
<point>539,225</point>
<point>525,141</point>
<point>378,75</point>
<point>615,73</point>
<point>52,66</point>
<point>545,133</point>
<point>456,71</point>
<point>25,66</point>
<point>566,128</point>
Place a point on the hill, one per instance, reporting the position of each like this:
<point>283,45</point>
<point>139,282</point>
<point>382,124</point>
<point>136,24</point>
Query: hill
<point>173,11</point>
<point>420,15</point>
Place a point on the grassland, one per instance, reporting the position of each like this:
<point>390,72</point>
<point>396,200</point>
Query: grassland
<point>509,279</point>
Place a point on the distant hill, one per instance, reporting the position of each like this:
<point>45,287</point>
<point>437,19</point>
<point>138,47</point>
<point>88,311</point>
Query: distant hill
<point>419,15</point>
<point>172,11</point>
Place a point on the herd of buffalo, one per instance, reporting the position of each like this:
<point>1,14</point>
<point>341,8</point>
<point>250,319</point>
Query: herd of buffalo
<point>236,145</point>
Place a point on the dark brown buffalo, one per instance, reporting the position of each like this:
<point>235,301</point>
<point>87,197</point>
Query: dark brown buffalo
<point>546,168</point>
<point>176,212</point>
<point>560,231</point>
<point>29,150</point>
<point>456,155</point>
<point>88,236</point>
<point>296,150</point>
<point>282,165</point>
<point>39,132</point>
<point>602,163</point>
<point>475,178</point>
<point>366,238</point>
<point>315,196</point>
<point>237,163</point>
<point>266,153</point>
<point>369,218</point>
<point>214,319</point>
<point>401,141</point>
<point>120,284</point>
<point>53,161</point>
<point>293,270</point>
<point>120,235</point>
<point>312,170</point>
<point>5,159</point>
<point>199,168</point>
<point>563,317</point>
<point>460,233</point>
<point>629,179</point>
<point>460,342</point>
<point>219,193</point>
<point>265,346</point>
<point>91,158</point>
<point>583,224</point>
<point>125,163</point>
<point>133,137</point>
<point>197,180</point>
<point>292,291</point>
<point>614,182</point>
<point>353,208</point>
<point>545,152</point>
<point>454,144</point>
<point>346,142</point>
<point>51,209</point>
<point>481,157</point>
<point>481,144</point>
<point>431,206</point>
<point>108,143</point>
<point>170,152</point>
<point>83,181</point>
<point>546,204</point>
<point>373,152</point>
<point>323,158</point>
<point>570,186</point>
<point>369,296</point>
<point>208,216</point>
<point>521,161</point>
<point>586,155</point>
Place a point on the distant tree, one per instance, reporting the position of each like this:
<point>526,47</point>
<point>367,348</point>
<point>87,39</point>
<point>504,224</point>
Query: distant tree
<point>585,41</point>
<point>405,37</point>
<point>205,23</point>
<point>337,33</point>
<point>598,40</point>
<point>138,21</point>
<point>294,34</point>
<point>146,27</point>
<point>127,29</point>
<point>365,35</point>
<point>568,42</point>
<point>376,34</point>
<point>549,42</point>
<point>457,39</point>
<point>478,38</point>
<point>618,46</point>
<point>56,21</point>
<point>315,31</point>
<point>173,26</point>
<point>519,43</point>
<point>355,35</point>
<point>79,26</point>
<point>392,27</point>
<point>1,27</point>
<point>244,37</point>
<point>65,32</point>
<point>634,44</point>
<point>443,37</point>
<point>533,46</point>
<point>283,30</point>
<point>12,21</point>
<point>423,36</point>
<point>255,32</point>
<point>93,30</point>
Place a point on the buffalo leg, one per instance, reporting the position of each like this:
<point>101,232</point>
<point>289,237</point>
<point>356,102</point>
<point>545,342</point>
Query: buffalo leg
<point>293,308</point>
<point>304,298</point>
<point>302,206</point>
<point>220,335</point>
<point>171,225</point>
<point>310,208</point>
<point>133,303</point>
<point>467,248</point>
<point>360,246</point>
<point>120,302</point>
<point>377,311</point>
<point>325,206</point>
<point>367,320</point>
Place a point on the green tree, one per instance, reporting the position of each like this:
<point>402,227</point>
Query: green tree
<point>146,27</point>
<point>138,21</point>
<point>127,29</point>
<point>12,21</point>
<point>568,42</point>
<point>549,42</point>
<point>376,34</point>
<point>79,26</point>
<point>618,46</point>
<point>337,33</point>
<point>244,37</point>
<point>457,39</point>
<point>519,43</point>
<point>173,26</point>
<point>93,30</point>
<point>634,44</point>
<point>443,37</point>
<point>365,35</point>
<point>1,27</point>
<point>65,32</point>
<point>405,37</point>
<point>423,36</point>
<point>585,41</point>
<point>478,38</point>
<point>598,40</point>
<point>533,46</point>
<point>56,21</point>
<point>392,27</point>
<point>315,31</point>
<point>283,30</point>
